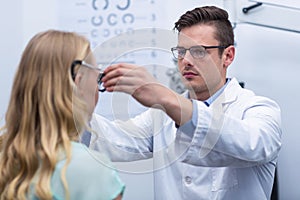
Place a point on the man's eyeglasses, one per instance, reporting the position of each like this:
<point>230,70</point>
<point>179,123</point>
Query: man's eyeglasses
<point>196,51</point>
<point>82,63</point>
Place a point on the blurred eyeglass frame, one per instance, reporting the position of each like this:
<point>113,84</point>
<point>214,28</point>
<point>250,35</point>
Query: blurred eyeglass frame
<point>83,63</point>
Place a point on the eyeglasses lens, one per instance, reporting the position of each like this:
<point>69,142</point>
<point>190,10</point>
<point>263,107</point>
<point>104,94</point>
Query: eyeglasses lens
<point>196,52</point>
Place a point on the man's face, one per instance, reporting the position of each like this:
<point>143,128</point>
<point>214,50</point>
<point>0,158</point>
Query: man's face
<point>202,76</point>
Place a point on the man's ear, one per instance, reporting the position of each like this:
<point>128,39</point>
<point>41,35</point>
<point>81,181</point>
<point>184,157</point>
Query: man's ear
<point>228,55</point>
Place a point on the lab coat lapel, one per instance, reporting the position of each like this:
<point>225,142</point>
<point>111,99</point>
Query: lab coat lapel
<point>228,96</point>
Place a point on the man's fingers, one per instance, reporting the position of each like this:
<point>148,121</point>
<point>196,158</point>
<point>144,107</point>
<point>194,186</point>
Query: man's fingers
<point>121,88</point>
<point>116,70</point>
<point>120,81</point>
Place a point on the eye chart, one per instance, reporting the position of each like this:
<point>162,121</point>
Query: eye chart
<point>104,20</point>
<point>123,31</point>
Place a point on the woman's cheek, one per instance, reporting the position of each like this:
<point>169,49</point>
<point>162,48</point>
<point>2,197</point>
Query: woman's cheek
<point>96,96</point>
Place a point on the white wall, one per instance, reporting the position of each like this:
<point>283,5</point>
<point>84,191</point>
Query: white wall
<point>267,60</point>
<point>10,49</point>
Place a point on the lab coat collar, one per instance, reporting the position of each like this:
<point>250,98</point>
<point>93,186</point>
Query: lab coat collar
<point>228,96</point>
<point>231,92</point>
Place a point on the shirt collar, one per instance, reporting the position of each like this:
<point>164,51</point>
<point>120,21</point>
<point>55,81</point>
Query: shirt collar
<point>211,99</point>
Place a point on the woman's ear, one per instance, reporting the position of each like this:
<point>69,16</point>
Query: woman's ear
<point>78,78</point>
<point>78,83</point>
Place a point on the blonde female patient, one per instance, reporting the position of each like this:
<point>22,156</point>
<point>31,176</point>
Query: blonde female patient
<point>53,95</point>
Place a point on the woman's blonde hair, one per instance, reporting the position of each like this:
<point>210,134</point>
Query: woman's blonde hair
<point>40,122</point>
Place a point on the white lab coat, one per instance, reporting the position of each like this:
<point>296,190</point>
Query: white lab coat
<point>231,154</point>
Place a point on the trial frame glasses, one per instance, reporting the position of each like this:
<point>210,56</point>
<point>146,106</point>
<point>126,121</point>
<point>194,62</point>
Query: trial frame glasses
<point>101,88</point>
<point>197,52</point>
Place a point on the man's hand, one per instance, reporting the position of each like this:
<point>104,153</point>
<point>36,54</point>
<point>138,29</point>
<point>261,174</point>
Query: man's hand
<point>134,80</point>
<point>139,83</point>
